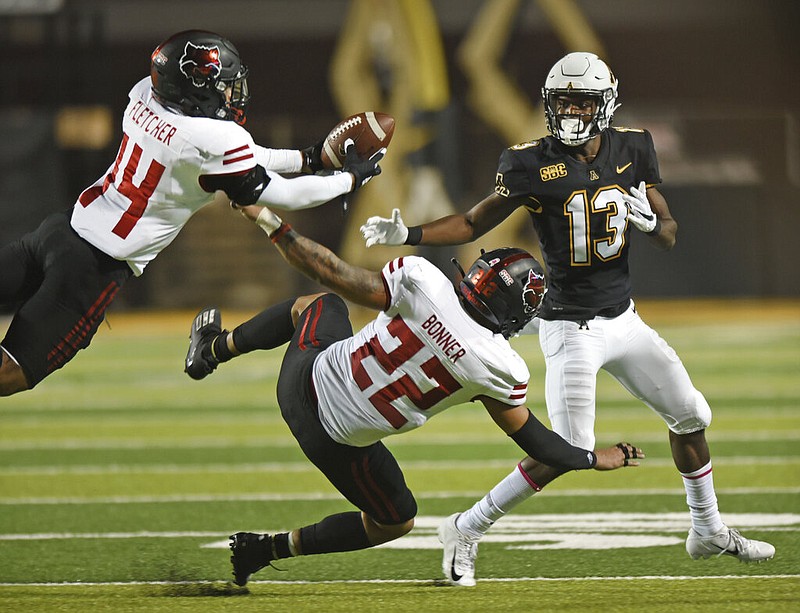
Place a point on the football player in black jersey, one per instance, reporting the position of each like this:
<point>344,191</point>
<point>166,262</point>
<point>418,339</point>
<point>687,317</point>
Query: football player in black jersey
<point>586,186</point>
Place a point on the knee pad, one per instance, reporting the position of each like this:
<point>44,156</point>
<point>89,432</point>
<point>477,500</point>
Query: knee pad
<point>579,382</point>
<point>695,417</point>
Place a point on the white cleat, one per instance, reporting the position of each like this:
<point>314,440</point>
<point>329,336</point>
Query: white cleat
<point>728,542</point>
<point>458,558</point>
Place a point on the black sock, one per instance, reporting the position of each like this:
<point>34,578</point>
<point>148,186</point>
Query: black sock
<point>219,347</point>
<point>280,544</point>
<point>340,532</point>
<point>269,329</point>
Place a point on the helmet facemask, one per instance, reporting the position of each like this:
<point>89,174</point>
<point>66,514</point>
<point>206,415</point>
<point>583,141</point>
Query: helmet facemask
<point>239,97</point>
<point>503,290</point>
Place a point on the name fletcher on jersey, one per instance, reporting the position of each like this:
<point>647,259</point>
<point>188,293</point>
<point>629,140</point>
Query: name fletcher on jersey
<point>145,117</point>
<point>444,338</point>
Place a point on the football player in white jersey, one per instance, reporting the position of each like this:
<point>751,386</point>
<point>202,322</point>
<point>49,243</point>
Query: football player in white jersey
<point>429,348</point>
<point>182,141</point>
<point>570,182</point>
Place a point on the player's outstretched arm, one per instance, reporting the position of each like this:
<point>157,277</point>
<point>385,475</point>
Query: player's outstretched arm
<point>547,447</point>
<point>319,263</point>
<point>448,230</point>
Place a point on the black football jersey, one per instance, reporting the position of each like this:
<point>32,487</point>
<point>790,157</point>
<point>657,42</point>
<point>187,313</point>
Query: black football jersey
<point>578,212</point>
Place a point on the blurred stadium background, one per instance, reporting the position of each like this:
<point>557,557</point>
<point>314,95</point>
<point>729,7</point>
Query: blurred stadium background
<point>714,81</point>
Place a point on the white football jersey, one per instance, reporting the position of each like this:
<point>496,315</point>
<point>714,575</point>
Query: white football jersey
<point>421,355</point>
<point>151,190</point>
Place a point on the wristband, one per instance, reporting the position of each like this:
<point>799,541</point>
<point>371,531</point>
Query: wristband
<point>268,221</point>
<point>276,236</point>
<point>657,230</point>
<point>414,235</point>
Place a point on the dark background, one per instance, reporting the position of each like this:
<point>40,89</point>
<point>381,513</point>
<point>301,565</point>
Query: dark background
<point>715,81</point>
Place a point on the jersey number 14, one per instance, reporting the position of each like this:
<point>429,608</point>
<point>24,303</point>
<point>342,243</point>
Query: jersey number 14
<point>137,194</point>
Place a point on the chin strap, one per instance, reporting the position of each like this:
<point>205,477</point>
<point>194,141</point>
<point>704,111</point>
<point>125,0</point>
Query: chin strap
<point>458,267</point>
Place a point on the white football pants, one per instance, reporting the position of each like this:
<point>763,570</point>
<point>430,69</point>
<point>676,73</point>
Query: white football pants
<point>634,354</point>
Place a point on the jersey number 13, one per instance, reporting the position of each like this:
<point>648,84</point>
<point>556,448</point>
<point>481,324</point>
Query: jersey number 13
<point>607,202</point>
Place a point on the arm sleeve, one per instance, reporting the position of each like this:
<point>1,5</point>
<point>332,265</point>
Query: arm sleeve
<point>303,192</point>
<point>547,447</point>
<point>279,160</point>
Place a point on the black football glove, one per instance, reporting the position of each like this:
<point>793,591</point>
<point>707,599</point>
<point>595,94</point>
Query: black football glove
<point>312,156</point>
<point>362,170</point>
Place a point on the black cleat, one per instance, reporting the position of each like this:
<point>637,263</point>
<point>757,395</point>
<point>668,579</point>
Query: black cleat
<point>251,553</point>
<point>200,361</point>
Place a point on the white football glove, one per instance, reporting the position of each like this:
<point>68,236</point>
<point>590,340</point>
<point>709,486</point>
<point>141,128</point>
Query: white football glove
<point>639,212</point>
<point>383,231</point>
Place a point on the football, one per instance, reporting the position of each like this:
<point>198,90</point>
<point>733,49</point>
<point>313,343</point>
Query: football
<point>369,131</point>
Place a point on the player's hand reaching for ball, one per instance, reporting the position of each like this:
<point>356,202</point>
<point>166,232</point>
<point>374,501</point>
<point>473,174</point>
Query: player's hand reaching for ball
<point>618,456</point>
<point>385,231</point>
<point>362,170</point>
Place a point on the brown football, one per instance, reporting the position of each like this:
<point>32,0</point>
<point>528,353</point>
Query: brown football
<point>369,131</point>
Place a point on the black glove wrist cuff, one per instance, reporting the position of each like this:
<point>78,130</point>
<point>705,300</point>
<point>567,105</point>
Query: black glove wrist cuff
<point>657,230</point>
<point>414,235</point>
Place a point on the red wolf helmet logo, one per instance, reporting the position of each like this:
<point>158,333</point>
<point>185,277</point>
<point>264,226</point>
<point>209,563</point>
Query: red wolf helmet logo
<point>533,291</point>
<point>200,64</point>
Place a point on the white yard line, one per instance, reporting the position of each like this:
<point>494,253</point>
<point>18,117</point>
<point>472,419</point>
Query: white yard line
<point>103,469</point>
<point>216,442</point>
<point>408,581</point>
<point>289,496</point>
<point>513,528</point>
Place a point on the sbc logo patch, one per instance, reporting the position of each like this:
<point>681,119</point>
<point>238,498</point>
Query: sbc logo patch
<point>548,173</point>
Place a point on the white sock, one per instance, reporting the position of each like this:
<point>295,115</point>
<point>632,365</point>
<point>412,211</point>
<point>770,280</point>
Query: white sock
<point>702,501</point>
<point>514,489</point>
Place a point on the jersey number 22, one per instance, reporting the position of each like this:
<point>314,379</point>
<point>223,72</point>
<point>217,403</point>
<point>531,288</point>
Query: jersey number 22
<point>409,346</point>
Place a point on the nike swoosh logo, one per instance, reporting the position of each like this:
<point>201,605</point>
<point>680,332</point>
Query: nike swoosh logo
<point>453,574</point>
<point>621,169</point>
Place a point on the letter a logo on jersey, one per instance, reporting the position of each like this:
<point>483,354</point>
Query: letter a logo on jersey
<point>200,64</point>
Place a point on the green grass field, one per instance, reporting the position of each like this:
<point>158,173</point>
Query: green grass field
<point>120,479</point>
